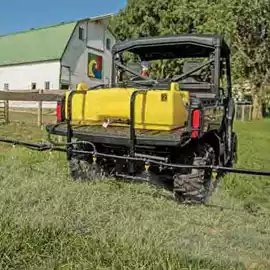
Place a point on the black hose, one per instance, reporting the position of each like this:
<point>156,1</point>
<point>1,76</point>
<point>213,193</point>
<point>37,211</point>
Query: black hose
<point>33,146</point>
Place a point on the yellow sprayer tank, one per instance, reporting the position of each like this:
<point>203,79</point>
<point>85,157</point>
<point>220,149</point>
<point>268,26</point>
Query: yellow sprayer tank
<point>154,110</point>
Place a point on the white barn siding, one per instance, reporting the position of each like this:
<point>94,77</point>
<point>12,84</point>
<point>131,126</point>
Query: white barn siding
<point>75,59</point>
<point>21,77</point>
<point>108,56</point>
<point>96,35</point>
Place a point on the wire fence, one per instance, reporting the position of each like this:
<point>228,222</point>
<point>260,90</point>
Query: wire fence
<point>25,106</point>
<point>243,112</point>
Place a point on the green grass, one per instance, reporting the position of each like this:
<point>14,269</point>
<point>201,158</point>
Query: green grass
<point>49,222</point>
<point>29,116</point>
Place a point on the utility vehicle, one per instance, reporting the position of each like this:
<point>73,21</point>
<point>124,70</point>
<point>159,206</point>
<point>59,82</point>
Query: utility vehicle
<point>167,130</point>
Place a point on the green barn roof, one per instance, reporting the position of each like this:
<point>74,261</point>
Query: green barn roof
<point>40,44</point>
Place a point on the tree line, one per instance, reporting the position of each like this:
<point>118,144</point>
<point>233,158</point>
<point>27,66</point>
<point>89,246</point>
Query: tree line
<point>243,23</point>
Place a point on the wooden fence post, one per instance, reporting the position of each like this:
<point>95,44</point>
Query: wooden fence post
<point>250,113</point>
<point>39,118</point>
<point>6,111</point>
<point>6,107</point>
<point>243,112</point>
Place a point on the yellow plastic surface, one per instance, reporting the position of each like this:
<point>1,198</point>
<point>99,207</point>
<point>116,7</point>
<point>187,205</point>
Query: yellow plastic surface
<point>154,110</point>
<point>82,87</point>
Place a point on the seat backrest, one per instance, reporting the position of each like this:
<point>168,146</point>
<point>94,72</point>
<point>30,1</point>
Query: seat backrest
<point>189,65</point>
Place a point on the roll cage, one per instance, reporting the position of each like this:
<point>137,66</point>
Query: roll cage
<point>184,46</point>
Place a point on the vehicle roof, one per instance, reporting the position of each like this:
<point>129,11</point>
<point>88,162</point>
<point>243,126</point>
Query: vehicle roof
<point>177,46</point>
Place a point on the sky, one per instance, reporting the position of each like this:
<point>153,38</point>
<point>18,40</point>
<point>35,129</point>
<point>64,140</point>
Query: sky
<point>19,15</point>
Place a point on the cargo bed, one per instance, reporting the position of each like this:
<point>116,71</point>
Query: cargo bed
<point>120,135</point>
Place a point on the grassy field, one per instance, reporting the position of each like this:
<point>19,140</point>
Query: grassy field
<point>49,222</point>
<point>29,116</point>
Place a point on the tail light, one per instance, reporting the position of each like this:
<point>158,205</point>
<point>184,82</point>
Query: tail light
<point>196,122</point>
<point>60,111</point>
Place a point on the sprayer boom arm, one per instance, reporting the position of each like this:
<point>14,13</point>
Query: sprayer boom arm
<point>62,148</point>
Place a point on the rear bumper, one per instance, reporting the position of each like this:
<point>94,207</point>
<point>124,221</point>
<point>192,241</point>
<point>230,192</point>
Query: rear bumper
<point>174,139</point>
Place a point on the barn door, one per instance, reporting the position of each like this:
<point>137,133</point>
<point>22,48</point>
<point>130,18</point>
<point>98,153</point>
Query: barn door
<point>65,77</point>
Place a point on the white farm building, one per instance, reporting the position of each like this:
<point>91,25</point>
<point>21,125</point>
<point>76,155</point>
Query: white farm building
<point>58,56</point>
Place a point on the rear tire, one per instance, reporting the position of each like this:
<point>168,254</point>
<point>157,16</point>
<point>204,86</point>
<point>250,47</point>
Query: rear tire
<point>196,187</point>
<point>82,168</point>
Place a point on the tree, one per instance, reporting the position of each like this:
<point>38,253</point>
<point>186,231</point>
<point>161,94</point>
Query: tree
<point>252,42</point>
<point>243,23</point>
<point>160,17</point>
<point>250,45</point>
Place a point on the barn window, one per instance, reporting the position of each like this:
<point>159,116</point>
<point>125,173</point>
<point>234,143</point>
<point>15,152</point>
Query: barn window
<point>34,86</point>
<point>47,85</point>
<point>81,33</point>
<point>108,44</point>
<point>64,86</point>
